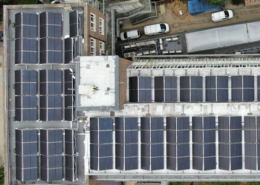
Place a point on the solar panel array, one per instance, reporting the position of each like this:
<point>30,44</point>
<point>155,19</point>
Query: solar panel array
<point>178,147</point>
<point>76,19</point>
<point>230,143</point>
<point>152,143</point>
<point>72,48</point>
<point>70,158</point>
<point>252,142</point>
<point>40,154</point>
<point>26,91</point>
<point>204,147</point>
<point>140,89</point>
<point>193,89</point>
<point>51,101</point>
<point>27,155</point>
<point>165,89</point>
<point>126,143</point>
<point>101,144</point>
<point>26,35</point>
<point>51,155</point>
<point>51,42</point>
<point>56,95</point>
<point>217,88</point>
<point>208,134</point>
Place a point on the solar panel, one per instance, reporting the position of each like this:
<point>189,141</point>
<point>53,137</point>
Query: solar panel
<point>224,163</point>
<point>68,42</point>
<point>145,96</point>
<point>26,18</point>
<point>177,150</point>
<point>210,163</point>
<point>250,142</point>
<point>236,163</point>
<point>26,50</point>
<point>73,23</point>
<point>204,149</point>
<point>248,85</point>
<point>133,89</point>
<point>159,88</point>
<point>196,88</point>
<point>51,50</point>
<point>29,115</point>
<point>144,91</point>
<point>197,136</point>
<point>101,152</point>
<point>236,85</point>
<point>230,140</point>
<point>26,135</point>
<point>106,163</point>
<point>183,163</point>
<point>197,163</point>
<point>26,148</point>
<point>184,89</point>
<point>210,88</point>
<point>250,163</point>
<point>26,174</point>
<point>131,163</point>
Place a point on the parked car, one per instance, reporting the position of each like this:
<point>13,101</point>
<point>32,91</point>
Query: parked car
<point>127,35</point>
<point>156,29</point>
<point>222,16</point>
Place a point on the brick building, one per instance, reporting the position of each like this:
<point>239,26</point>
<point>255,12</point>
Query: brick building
<point>96,31</point>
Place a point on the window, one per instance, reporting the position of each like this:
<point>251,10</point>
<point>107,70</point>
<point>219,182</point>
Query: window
<point>101,26</point>
<point>101,47</point>
<point>93,22</point>
<point>92,46</point>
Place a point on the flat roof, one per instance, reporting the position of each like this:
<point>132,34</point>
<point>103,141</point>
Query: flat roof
<point>102,73</point>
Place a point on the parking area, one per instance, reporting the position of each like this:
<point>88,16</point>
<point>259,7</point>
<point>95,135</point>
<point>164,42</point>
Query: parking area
<point>181,24</point>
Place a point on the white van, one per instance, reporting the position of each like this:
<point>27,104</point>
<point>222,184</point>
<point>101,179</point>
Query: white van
<point>222,16</point>
<point>156,29</point>
<point>133,34</point>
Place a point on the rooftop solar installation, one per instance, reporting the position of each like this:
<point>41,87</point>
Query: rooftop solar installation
<point>101,143</point>
<point>165,89</point>
<point>48,146</point>
<point>230,143</point>
<point>140,89</point>
<point>152,155</point>
<point>251,126</point>
<point>178,150</point>
<point>42,97</point>
<point>194,89</point>
<point>126,143</point>
<point>204,149</point>
<point>26,34</point>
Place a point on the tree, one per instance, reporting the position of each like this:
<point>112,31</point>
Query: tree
<point>220,3</point>
<point>2,175</point>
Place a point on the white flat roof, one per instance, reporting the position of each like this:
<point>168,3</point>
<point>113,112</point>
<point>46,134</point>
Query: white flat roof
<point>96,71</point>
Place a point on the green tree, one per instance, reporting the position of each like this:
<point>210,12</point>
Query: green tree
<point>220,3</point>
<point>2,175</point>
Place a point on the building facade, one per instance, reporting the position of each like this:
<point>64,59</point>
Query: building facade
<point>96,32</point>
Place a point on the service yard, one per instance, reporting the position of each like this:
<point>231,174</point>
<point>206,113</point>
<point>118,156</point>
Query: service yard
<point>181,24</point>
<point>169,13</point>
